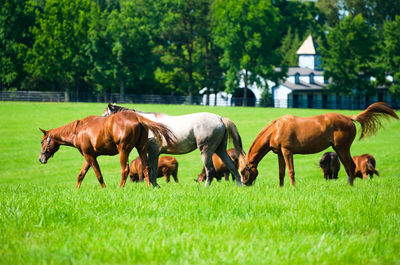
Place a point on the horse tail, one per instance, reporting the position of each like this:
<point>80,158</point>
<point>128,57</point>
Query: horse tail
<point>371,165</point>
<point>369,119</point>
<point>159,130</point>
<point>237,141</point>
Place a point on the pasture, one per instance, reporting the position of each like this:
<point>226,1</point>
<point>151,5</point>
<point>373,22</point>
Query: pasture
<point>45,220</point>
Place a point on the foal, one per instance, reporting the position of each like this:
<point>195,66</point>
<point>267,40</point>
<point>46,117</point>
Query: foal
<point>330,165</point>
<point>221,170</point>
<point>94,136</point>
<point>167,166</point>
<point>365,165</point>
<point>291,135</point>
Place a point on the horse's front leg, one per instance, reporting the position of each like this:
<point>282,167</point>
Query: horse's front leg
<point>96,168</point>
<point>82,173</point>
<point>281,161</point>
<point>288,156</point>
<point>124,161</point>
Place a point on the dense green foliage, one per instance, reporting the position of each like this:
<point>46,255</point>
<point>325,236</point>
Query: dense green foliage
<point>44,220</point>
<point>350,56</point>
<point>180,47</point>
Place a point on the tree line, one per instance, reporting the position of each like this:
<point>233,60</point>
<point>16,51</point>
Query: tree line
<point>178,47</point>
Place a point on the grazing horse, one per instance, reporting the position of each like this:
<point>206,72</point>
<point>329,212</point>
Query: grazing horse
<point>94,136</point>
<point>330,165</point>
<point>221,169</point>
<point>206,131</point>
<point>365,165</point>
<point>291,135</point>
<point>167,166</point>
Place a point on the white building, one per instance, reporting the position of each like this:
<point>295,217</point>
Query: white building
<point>304,87</point>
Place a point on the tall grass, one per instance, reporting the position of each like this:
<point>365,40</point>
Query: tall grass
<point>44,220</point>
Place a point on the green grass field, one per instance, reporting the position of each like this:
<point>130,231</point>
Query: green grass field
<point>45,220</point>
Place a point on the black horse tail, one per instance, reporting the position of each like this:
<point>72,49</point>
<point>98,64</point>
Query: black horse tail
<point>237,141</point>
<point>369,119</point>
<point>371,165</point>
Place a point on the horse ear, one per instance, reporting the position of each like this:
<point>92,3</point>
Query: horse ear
<point>43,131</point>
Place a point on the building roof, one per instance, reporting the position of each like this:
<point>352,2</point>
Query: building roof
<point>303,71</point>
<point>303,86</point>
<point>308,47</point>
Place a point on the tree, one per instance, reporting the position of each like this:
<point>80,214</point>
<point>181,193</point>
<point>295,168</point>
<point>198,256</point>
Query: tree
<point>290,44</point>
<point>132,63</point>
<point>349,57</point>
<point>60,51</point>
<point>15,40</point>
<point>180,48</point>
<point>391,53</point>
<point>331,10</point>
<point>248,33</point>
<point>375,12</point>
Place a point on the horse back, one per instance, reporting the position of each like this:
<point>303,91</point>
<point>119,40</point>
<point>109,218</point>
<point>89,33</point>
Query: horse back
<point>306,135</point>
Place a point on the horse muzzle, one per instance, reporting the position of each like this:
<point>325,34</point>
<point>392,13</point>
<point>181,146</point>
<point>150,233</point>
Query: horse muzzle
<point>43,160</point>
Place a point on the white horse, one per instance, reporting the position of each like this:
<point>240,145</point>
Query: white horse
<point>206,131</point>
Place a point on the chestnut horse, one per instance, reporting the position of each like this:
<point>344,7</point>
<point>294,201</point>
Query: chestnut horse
<point>365,165</point>
<point>291,135</point>
<point>167,166</point>
<point>205,131</point>
<point>94,136</point>
<point>330,165</point>
<point>221,169</point>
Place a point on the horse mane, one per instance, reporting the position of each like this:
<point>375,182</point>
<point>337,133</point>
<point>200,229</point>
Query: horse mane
<point>261,133</point>
<point>115,108</point>
<point>369,119</point>
<point>66,129</point>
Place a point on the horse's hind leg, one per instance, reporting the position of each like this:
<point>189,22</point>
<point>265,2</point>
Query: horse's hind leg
<point>348,163</point>
<point>152,162</point>
<point>82,173</point>
<point>123,159</point>
<point>281,161</point>
<point>221,152</point>
<point>209,166</point>
<point>175,175</point>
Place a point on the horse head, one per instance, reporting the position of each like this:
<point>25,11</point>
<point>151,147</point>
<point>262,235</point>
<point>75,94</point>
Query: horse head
<point>111,109</point>
<point>49,147</point>
<point>249,175</point>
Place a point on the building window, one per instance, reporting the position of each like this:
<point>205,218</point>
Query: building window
<point>310,101</point>
<point>312,78</point>
<point>380,97</point>
<point>297,78</point>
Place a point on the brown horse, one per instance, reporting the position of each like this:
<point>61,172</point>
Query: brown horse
<point>167,166</point>
<point>94,136</point>
<point>291,135</point>
<point>365,165</point>
<point>330,165</point>
<point>221,170</point>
